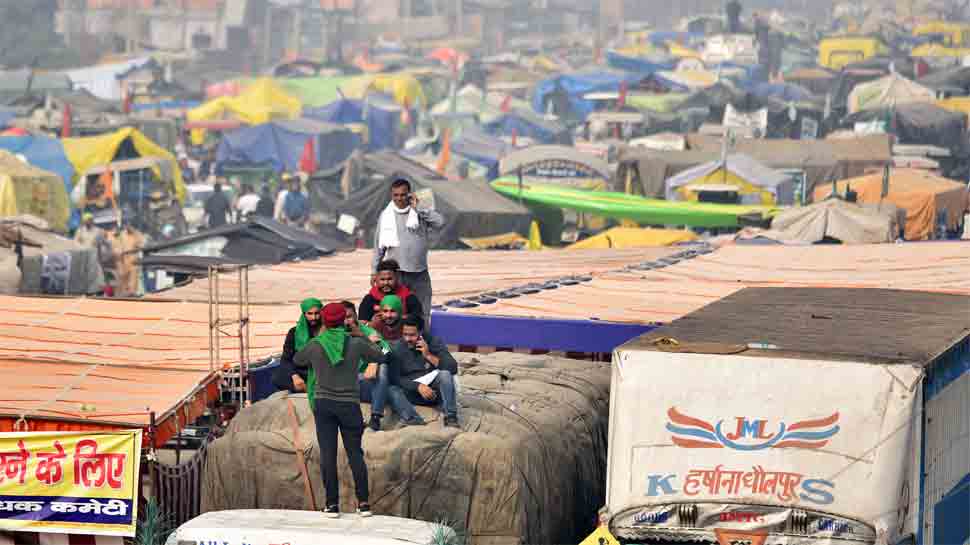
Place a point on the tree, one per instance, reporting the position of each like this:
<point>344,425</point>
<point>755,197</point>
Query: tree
<point>29,37</point>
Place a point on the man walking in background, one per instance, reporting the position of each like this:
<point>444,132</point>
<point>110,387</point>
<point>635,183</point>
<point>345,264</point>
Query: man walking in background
<point>217,207</point>
<point>403,234</point>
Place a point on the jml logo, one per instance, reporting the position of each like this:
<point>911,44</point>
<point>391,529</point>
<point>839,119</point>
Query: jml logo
<point>750,433</point>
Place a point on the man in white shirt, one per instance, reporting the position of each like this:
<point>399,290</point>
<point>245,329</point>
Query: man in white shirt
<point>247,203</point>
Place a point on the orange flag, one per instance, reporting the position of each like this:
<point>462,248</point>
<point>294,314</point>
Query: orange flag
<point>445,156</point>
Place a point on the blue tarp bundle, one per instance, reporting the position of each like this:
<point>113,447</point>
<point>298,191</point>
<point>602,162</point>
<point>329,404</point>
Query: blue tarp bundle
<point>48,154</point>
<point>641,65</point>
<point>482,148</point>
<point>281,144</point>
<point>383,117</point>
<point>579,84</point>
<point>530,125</point>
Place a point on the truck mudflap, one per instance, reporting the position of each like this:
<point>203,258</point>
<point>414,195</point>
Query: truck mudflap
<point>731,523</point>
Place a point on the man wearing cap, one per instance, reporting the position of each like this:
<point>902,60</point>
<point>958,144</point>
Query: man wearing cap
<point>403,234</point>
<point>287,376</point>
<point>334,355</point>
<point>88,234</point>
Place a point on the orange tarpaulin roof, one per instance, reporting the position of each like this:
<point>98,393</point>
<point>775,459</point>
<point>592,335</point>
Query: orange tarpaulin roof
<point>920,193</point>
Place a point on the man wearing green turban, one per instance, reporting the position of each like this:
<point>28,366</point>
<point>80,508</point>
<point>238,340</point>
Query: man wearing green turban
<point>287,376</point>
<point>388,321</point>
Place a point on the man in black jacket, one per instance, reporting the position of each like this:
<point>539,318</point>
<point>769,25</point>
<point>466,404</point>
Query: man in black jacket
<point>415,358</point>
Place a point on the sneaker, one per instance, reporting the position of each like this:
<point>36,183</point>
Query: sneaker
<point>363,509</point>
<point>332,511</point>
<point>375,422</point>
<point>452,422</point>
<point>413,422</point>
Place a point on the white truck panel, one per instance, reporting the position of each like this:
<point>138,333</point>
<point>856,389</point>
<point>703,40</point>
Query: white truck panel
<point>823,436</point>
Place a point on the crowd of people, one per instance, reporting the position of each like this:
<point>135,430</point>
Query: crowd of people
<point>378,352</point>
<point>290,205</point>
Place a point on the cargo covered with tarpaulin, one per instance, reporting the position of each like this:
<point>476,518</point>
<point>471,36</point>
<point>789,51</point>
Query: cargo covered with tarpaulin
<point>47,154</point>
<point>283,144</point>
<point>620,206</point>
<point>25,189</point>
<point>927,199</point>
<point>361,188</point>
<point>528,466</point>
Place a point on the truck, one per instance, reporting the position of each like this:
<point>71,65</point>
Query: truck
<point>795,415</point>
<point>291,527</point>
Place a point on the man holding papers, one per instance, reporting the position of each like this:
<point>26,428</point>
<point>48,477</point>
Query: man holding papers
<point>424,370</point>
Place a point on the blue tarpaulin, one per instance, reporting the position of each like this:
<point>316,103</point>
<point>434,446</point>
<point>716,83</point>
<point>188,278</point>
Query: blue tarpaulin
<point>530,125</point>
<point>786,92</point>
<point>482,148</point>
<point>281,144</point>
<point>641,65</point>
<point>6,116</point>
<point>48,154</point>
<point>383,117</point>
<point>576,85</point>
<point>661,37</point>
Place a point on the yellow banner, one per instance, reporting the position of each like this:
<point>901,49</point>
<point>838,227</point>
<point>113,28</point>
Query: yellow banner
<point>71,483</point>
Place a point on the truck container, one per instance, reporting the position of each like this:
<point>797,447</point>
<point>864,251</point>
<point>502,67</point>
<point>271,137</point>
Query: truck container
<point>784,416</point>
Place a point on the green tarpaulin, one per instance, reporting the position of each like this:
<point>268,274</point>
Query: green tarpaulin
<point>622,206</point>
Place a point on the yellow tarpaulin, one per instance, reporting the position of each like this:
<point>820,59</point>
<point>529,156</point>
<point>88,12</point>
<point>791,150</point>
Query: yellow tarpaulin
<point>261,102</point>
<point>92,151</point>
<point>682,52</point>
<point>405,89</point>
<point>835,53</point>
<point>633,237</point>
<point>956,104</point>
<point>26,189</point>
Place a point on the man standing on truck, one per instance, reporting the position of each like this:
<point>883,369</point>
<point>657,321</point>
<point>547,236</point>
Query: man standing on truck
<point>403,234</point>
<point>334,356</point>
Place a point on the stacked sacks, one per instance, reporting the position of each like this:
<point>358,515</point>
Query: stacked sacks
<point>529,465</point>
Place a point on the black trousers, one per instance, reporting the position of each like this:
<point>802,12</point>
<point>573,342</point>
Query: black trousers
<point>331,416</point>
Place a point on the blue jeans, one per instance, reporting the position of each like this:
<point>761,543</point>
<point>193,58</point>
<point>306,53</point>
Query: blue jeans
<point>375,391</point>
<point>444,386</point>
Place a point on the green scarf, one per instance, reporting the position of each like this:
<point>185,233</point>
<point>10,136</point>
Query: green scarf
<point>302,335</point>
<point>332,341</point>
<point>368,331</point>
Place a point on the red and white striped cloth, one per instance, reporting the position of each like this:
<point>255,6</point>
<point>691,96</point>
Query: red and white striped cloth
<point>43,538</point>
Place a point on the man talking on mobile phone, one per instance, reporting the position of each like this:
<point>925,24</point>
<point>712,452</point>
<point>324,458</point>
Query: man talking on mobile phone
<point>423,370</point>
<point>403,234</point>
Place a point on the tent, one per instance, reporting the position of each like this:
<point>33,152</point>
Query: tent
<point>26,189</point>
<point>282,144</point>
<point>817,80</point>
<point>835,220</point>
<point>261,102</point>
<point>822,161</point>
<point>922,124</point>
<point>47,154</point>
<point>316,91</point>
<point>482,148</point>
<point>405,89</point>
<point>471,209</point>
<point>530,125</point>
<point>927,199</point>
<point>556,163</point>
<point>127,143</point>
<point>787,92</point>
<point>640,64</point>
<point>381,116</point>
<point>891,90</point>
<point>566,91</point>
<point>634,237</point>
<point>753,182</point>
<point>488,108</point>
<point>103,80</point>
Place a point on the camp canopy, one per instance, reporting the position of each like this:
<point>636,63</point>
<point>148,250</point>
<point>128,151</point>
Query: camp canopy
<point>921,194</point>
<point>92,151</point>
<point>634,237</point>
<point>528,124</point>
<point>470,100</point>
<point>282,145</point>
<point>25,189</point>
<point>754,182</point>
<point>261,102</point>
<point>846,222</point>
<point>381,115</point>
<point>891,90</point>
<point>573,87</point>
<point>405,89</point>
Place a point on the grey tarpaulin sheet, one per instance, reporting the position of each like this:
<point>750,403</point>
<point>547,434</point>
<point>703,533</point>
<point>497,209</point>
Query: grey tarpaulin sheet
<point>529,465</point>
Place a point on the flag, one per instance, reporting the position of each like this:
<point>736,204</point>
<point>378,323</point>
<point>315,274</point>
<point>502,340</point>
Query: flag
<point>621,101</point>
<point>308,161</point>
<point>445,156</point>
<point>506,106</point>
<point>515,137</point>
<point>126,105</point>
<point>107,180</point>
<point>66,121</point>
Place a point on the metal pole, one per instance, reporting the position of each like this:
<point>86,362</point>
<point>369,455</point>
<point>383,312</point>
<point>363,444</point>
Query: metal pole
<point>211,326</point>
<point>267,35</point>
<point>152,465</point>
<point>242,348</point>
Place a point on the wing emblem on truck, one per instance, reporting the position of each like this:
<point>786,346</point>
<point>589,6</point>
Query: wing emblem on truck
<point>745,433</point>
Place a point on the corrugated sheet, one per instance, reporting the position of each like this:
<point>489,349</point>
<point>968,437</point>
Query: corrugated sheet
<point>946,456</point>
<point>664,294</point>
